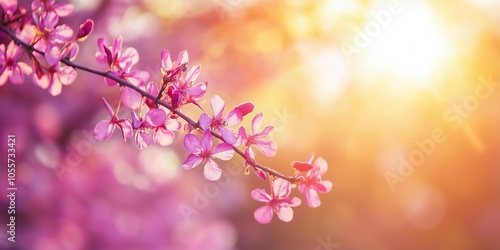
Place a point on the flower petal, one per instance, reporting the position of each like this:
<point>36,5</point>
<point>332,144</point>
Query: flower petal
<point>108,107</point>
<point>67,75</point>
<point>228,135</point>
<point>181,59</point>
<point>128,58</point>
<point>312,198</point>
<point>260,194</point>
<point>301,166</point>
<point>63,9</point>
<point>131,98</point>
<point>322,165</point>
<point>268,148</point>
<point>264,214</point>
<point>256,123</point>
<point>206,140</point>
<point>198,90</point>
<point>191,162</point>
<point>285,213</point>
<point>142,139</point>
<point>163,137</point>
<point>192,73</point>
<point>172,124</point>
<point>217,105</point>
<point>281,188</point>
<point>166,62</point>
<point>324,186</point>
<point>192,144</point>
<point>212,171</point>
<point>103,130</point>
<point>205,121</point>
<point>223,151</point>
<point>126,128</point>
<point>156,117</point>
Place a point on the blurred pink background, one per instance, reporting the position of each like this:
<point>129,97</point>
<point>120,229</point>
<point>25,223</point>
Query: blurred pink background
<point>364,84</point>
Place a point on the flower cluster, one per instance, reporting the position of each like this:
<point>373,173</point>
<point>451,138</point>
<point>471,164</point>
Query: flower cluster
<point>155,108</point>
<point>47,42</point>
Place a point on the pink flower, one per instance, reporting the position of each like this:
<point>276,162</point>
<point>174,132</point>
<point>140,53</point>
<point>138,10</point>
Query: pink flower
<point>164,134</point>
<point>120,64</point>
<point>9,6</point>
<point>202,153</point>
<point>255,139</point>
<point>46,13</point>
<point>114,58</point>
<point>312,184</point>
<point>218,121</point>
<point>51,40</point>
<point>104,129</point>
<point>12,69</point>
<point>153,119</point>
<point>182,90</point>
<point>55,78</point>
<point>171,70</point>
<point>278,202</point>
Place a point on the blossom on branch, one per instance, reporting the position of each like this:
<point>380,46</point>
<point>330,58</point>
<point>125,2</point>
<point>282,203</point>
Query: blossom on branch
<point>104,129</point>
<point>218,122</point>
<point>202,153</point>
<point>312,183</point>
<point>11,68</point>
<point>277,202</point>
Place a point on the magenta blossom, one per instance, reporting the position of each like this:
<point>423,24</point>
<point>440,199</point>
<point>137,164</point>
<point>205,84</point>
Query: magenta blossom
<point>218,121</point>
<point>255,139</point>
<point>202,153</point>
<point>153,119</point>
<point>120,63</point>
<point>55,78</point>
<point>46,13</point>
<point>10,67</point>
<point>104,129</point>
<point>51,40</point>
<point>164,134</point>
<point>183,89</point>
<point>312,184</point>
<point>278,202</point>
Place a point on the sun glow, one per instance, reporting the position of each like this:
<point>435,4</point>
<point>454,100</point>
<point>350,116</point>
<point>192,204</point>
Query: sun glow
<point>413,46</point>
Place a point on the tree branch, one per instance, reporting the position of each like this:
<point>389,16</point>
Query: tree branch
<point>122,82</point>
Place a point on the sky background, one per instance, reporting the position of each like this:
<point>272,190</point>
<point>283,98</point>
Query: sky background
<point>402,99</point>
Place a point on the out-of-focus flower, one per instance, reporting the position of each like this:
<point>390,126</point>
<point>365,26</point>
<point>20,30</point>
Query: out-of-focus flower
<point>278,202</point>
<point>202,153</point>
<point>12,69</point>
